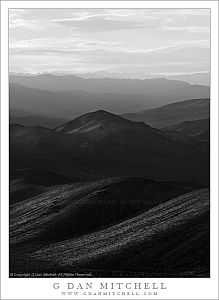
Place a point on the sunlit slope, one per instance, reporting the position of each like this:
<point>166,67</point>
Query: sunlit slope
<point>68,210</point>
<point>169,238</point>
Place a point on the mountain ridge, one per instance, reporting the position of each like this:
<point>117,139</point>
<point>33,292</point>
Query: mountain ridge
<point>170,114</point>
<point>115,147</point>
<point>95,120</point>
<point>148,93</point>
<point>200,78</point>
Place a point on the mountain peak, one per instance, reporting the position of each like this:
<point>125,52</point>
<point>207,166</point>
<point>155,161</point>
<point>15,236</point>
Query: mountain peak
<point>100,112</point>
<point>101,122</point>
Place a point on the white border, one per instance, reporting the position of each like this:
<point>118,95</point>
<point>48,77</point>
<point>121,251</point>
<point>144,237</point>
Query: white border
<point>177,288</point>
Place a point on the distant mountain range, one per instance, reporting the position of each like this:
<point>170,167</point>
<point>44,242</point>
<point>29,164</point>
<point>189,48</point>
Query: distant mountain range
<point>67,104</point>
<point>42,119</point>
<point>137,94</point>
<point>202,78</point>
<point>171,114</point>
<point>194,79</point>
<point>27,105</point>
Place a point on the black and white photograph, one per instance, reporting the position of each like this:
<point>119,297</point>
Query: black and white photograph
<point>109,142</point>
<point>110,117</point>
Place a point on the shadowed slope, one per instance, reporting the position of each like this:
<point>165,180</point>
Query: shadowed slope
<point>100,144</point>
<point>28,183</point>
<point>198,130</point>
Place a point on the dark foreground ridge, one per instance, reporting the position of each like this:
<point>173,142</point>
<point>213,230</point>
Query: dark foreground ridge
<point>124,225</point>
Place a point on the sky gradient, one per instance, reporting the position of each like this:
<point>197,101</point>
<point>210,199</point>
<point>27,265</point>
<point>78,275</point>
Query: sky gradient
<point>153,41</point>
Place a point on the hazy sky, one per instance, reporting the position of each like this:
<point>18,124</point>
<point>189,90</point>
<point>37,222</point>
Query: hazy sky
<point>157,41</point>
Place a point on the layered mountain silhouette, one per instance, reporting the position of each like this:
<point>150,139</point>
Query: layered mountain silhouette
<point>26,118</point>
<point>157,86</point>
<point>108,196</point>
<point>67,104</point>
<point>78,95</point>
<point>102,144</point>
<point>167,115</point>
<point>195,78</point>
